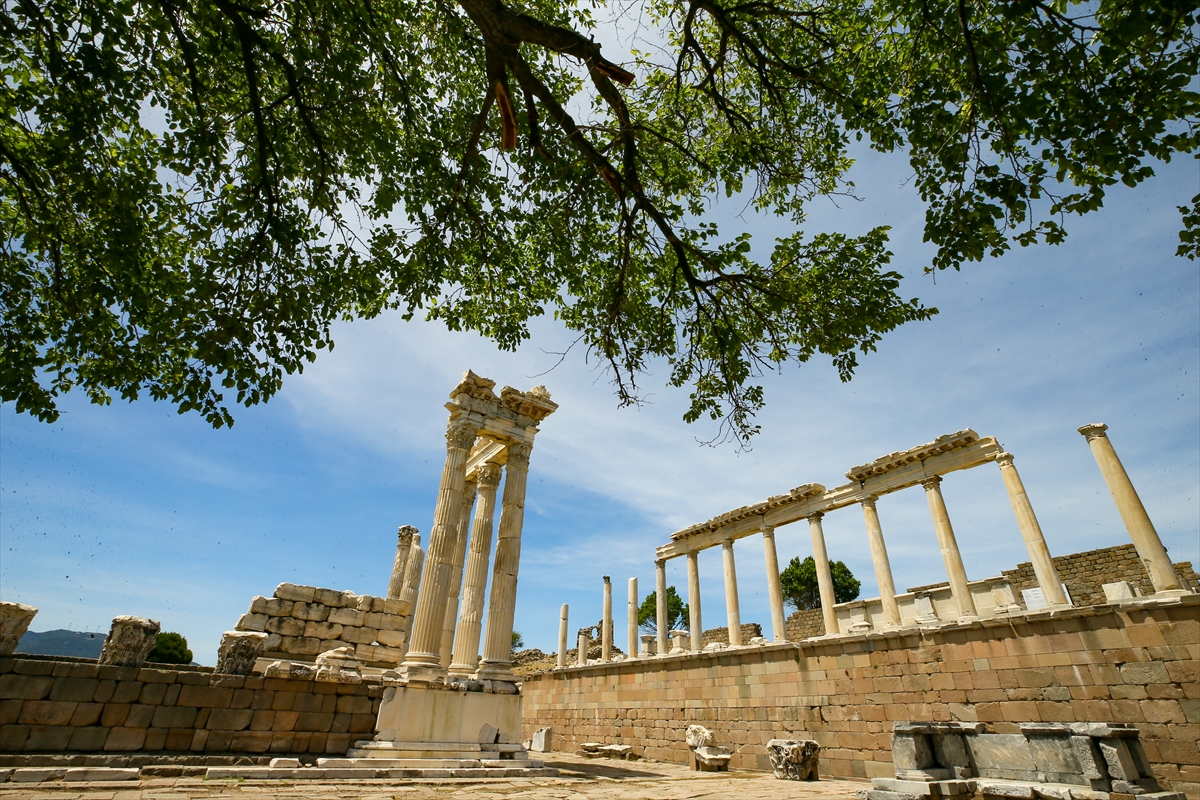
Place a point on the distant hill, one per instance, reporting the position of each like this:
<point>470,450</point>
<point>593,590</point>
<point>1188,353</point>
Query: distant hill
<point>62,643</point>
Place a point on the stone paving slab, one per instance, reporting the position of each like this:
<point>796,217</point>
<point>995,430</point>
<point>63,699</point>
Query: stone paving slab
<point>580,779</point>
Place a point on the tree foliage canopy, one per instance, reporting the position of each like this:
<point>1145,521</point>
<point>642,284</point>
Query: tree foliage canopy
<point>170,648</point>
<point>677,612</point>
<point>799,583</point>
<point>191,193</point>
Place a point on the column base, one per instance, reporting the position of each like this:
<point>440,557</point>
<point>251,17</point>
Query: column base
<point>423,673</point>
<point>495,671</point>
<point>1171,593</point>
<point>462,671</point>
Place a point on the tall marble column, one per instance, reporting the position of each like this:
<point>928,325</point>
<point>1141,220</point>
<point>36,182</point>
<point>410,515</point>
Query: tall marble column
<point>733,613</point>
<point>949,547</point>
<point>422,663</point>
<point>562,636</point>
<point>774,587</point>
<point>1039,554</point>
<point>695,624</point>
<point>606,624</point>
<point>585,642</point>
<point>660,600</point>
<point>632,624</point>
<point>412,584</point>
<point>1141,530</point>
<point>824,575</point>
<point>497,646</point>
<point>470,621</point>
<point>404,539</point>
<point>456,574</point>
<point>883,568</point>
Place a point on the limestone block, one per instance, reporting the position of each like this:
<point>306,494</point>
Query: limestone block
<point>14,621</point>
<point>365,652</point>
<point>252,622</point>
<point>794,759</point>
<point>621,751</point>
<point>390,622</point>
<point>392,655</point>
<point>679,641</point>
<point>712,758</point>
<point>347,616</point>
<point>759,641</point>
<point>1120,591</point>
<point>714,646</point>
<point>1118,759</point>
<point>238,652</point>
<point>273,642</point>
<point>540,743</point>
<point>288,669</point>
<point>129,641</point>
<point>1144,672</point>
<point>310,612</point>
<point>323,630</point>
<point>335,599</point>
<point>284,626</point>
<point>490,735</point>
<point>300,646</point>
<point>290,591</point>
<point>390,638</point>
<point>395,606</point>
<point>369,603</point>
<point>339,666</point>
<point>698,736</point>
<point>358,635</point>
<point>259,605</point>
<point>331,644</point>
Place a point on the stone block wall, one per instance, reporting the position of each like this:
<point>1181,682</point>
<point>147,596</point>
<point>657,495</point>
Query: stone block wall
<point>1135,664</point>
<point>304,621</point>
<point>804,624</point>
<point>56,705</point>
<point>1086,573</point>
<point>749,631</point>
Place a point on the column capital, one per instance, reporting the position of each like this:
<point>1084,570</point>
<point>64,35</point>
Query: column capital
<point>817,516</point>
<point>488,475</point>
<point>461,433</point>
<point>607,579</point>
<point>767,530</point>
<point>868,500</point>
<point>660,563</point>
<point>406,532</point>
<point>727,544</point>
<point>1004,460</point>
<point>1094,430</point>
<point>518,454</point>
<point>932,483</point>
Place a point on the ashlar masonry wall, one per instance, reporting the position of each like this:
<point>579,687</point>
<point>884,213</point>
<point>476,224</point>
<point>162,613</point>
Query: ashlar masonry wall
<point>1135,663</point>
<point>56,705</point>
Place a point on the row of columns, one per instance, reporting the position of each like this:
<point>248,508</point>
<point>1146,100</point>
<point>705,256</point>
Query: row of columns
<point>445,639</point>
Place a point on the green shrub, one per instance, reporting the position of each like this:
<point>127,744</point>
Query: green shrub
<point>170,648</point>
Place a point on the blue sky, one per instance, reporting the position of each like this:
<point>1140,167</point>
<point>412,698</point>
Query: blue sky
<point>133,509</point>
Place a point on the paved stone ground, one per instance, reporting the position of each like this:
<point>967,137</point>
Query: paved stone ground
<point>581,779</point>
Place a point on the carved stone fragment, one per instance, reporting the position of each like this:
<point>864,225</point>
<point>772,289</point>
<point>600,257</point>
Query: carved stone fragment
<point>698,736</point>
<point>238,652</point>
<point>129,641</point>
<point>794,759</point>
<point>14,621</point>
<point>339,666</point>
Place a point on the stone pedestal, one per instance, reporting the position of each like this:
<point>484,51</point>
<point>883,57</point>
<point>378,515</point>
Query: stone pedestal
<point>238,652</point>
<point>129,641</point>
<point>14,621</point>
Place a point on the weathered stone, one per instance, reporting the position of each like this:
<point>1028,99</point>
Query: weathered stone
<point>311,612</point>
<point>288,669</point>
<point>285,626</point>
<point>129,641</point>
<point>712,758</point>
<point>794,759</point>
<point>698,736</point>
<point>347,616</point>
<point>540,743</point>
<point>339,666</point>
<point>14,621</point>
<point>335,599</point>
<point>290,591</point>
<point>390,638</point>
<point>322,630</point>
<point>252,622</point>
<point>238,652</point>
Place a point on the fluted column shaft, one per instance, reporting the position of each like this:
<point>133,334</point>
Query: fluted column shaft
<point>824,575</point>
<point>562,636</point>
<point>660,598</point>
<point>774,587</point>
<point>456,574</point>
<point>404,538</point>
<point>955,571</point>
<point>497,647</point>
<point>606,623</point>
<point>1031,532</point>
<point>423,661</point>
<point>733,612</point>
<point>470,621</point>
<point>883,568</point>
<point>412,583</point>
<point>1141,530</point>
<point>632,624</point>
<point>695,624</point>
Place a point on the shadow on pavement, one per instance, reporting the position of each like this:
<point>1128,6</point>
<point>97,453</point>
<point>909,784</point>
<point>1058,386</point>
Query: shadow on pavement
<point>593,769</point>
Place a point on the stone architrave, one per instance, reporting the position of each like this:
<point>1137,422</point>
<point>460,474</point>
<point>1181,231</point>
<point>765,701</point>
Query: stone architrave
<point>1141,530</point>
<point>695,621</point>
<point>470,622</point>
<point>1035,543</point>
<point>774,586</point>
<point>883,568</point>
<point>456,573</point>
<point>949,547</point>
<point>422,663</point>
<point>129,641</point>
<point>14,621</point>
<point>404,542</point>
<point>606,626</point>
<point>631,627</point>
<point>824,575</point>
<point>562,636</point>
<point>733,614</point>
<point>238,652</point>
<point>502,604</point>
<point>794,759</point>
<point>660,602</point>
